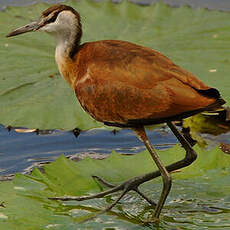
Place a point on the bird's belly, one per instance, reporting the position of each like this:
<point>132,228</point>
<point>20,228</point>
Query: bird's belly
<point>119,103</point>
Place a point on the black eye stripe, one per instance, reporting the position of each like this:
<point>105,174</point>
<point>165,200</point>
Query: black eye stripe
<point>53,18</point>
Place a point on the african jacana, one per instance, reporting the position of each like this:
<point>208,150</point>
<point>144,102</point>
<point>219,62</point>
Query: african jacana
<point>126,85</point>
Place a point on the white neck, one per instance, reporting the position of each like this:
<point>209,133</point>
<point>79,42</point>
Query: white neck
<point>65,42</point>
<point>66,34</point>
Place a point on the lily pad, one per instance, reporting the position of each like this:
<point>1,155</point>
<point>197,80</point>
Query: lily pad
<point>33,95</point>
<point>200,194</point>
<point>214,124</point>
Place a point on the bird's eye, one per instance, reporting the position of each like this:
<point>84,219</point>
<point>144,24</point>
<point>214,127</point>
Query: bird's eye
<point>50,20</point>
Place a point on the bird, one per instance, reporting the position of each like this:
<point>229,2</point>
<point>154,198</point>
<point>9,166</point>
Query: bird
<point>125,85</point>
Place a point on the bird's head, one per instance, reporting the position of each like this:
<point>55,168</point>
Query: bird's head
<point>58,19</point>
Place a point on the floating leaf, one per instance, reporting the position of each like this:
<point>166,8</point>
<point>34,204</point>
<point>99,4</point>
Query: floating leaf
<point>199,191</point>
<point>33,95</point>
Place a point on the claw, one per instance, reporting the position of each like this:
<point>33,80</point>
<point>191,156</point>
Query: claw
<point>102,181</point>
<point>106,209</point>
<point>145,197</point>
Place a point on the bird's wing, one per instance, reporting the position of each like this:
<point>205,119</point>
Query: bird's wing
<point>127,81</point>
<point>139,65</point>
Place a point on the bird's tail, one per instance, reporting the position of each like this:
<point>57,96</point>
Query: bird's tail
<point>213,93</point>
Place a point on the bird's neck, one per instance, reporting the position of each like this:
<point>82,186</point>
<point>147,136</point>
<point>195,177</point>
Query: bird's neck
<point>67,46</point>
<point>68,41</point>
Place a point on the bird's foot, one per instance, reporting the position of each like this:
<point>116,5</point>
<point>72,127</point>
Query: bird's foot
<point>125,187</point>
<point>131,184</point>
<point>109,185</point>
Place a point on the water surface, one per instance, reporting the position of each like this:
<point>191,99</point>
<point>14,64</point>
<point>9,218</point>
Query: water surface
<point>19,151</point>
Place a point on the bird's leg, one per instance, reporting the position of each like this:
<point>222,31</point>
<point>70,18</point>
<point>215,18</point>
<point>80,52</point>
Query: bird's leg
<point>167,181</point>
<point>133,183</point>
<point>190,155</point>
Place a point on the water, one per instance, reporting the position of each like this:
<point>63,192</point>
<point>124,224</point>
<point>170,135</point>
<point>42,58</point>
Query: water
<point>19,151</point>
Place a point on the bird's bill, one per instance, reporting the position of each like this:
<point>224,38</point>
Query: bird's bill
<point>33,26</point>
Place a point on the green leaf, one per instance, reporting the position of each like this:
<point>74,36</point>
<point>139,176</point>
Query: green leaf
<point>198,40</point>
<point>200,193</point>
<point>212,123</point>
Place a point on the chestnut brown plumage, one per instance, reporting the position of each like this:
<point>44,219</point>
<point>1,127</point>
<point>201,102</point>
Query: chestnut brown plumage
<point>126,85</point>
